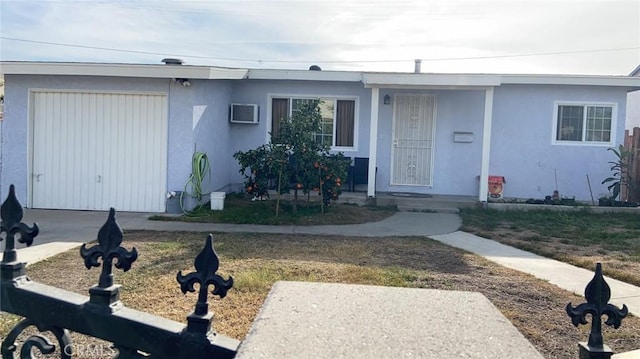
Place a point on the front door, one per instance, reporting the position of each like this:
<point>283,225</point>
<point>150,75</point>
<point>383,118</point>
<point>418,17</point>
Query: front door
<point>413,138</point>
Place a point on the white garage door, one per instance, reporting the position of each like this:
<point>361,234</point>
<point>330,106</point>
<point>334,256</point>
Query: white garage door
<point>93,151</point>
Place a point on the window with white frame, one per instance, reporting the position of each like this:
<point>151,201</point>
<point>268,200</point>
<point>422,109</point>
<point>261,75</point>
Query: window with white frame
<point>584,123</point>
<point>337,128</point>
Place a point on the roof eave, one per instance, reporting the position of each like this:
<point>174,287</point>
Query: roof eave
<point>121,70</point>
<point>414,80</point>
<point>613,81</point>
<point>304,75</point>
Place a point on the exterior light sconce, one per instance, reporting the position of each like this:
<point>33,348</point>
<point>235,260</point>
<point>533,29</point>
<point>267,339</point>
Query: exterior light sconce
<point>387,99</point>
<point>184,82</point>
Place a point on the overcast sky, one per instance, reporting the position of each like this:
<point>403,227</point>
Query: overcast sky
<point>517,36</point>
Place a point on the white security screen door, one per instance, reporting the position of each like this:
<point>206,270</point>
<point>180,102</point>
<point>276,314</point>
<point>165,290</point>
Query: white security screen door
<point>93,151</point>
<point>413,137</point>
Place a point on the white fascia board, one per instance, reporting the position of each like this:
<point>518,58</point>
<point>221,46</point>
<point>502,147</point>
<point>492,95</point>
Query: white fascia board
<point>304,75</point>
<point>120,70</point>
<point>428,87</point>
<point>615,81</point>
<point>430,80</point>
<point>221,73</point>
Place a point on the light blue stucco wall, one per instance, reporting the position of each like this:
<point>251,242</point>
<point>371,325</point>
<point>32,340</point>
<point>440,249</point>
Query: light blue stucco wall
<point>456,165</point>
<point>522,149</point>
<point>199,121</point>
<point>246,136</point>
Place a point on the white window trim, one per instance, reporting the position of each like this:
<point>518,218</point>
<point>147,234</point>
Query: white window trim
<point>356,120</point>
<point>614,124</point>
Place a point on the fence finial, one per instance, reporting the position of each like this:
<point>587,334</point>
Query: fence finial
<point>109,240</point>
<point>206,264</point>
<point>597,294</point>
<point>11,213</point>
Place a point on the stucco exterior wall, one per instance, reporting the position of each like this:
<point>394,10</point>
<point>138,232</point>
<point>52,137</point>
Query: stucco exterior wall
<point>522,149</point>
<point>199,122</point>
<point>456,165</point>
<point>246,136</point>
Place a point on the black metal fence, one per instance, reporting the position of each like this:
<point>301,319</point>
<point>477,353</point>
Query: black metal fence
<point>136,334</point>
<point>102,315</point>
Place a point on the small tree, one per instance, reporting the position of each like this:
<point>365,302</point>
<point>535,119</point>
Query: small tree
<point>297,135</point>
<point>621,177</point>
<point>294,160</point>
<point>332,171</point>
<point>257,166</point>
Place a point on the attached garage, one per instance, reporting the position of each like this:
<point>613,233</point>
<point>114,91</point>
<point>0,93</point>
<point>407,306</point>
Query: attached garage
<point>96,150</point>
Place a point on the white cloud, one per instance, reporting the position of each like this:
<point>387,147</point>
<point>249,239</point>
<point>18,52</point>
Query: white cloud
<point>356,31</point>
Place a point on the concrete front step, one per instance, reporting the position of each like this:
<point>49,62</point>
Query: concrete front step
<point>428,209</point>
<point>407,202</point>
<point>441,204</point>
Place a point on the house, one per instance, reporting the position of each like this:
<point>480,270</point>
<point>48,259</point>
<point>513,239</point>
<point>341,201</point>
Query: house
<point>93,135</point>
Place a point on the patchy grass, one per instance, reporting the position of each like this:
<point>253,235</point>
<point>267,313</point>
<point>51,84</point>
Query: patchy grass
<point>581,238</point>
<point>239,209</point>
<point>256,261</point>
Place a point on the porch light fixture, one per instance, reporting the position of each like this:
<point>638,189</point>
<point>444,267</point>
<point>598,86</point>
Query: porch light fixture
<point>387,99</point>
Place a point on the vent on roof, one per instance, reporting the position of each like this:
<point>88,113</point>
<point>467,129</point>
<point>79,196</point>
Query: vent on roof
<point>169,61</point>
<point>243,113</point>
<point>417,69</point>
<point>315,68</point>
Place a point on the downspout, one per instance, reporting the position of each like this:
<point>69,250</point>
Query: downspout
<point>486,145</point>
<point>373,143</point>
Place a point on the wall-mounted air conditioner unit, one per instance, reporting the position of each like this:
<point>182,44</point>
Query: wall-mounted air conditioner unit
<point>243,113</point>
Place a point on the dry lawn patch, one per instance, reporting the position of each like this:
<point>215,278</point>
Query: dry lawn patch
<point>579,238</point>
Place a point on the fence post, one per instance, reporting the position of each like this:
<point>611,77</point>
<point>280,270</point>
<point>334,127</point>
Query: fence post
<point>11,225</point>
<point>597,294</point>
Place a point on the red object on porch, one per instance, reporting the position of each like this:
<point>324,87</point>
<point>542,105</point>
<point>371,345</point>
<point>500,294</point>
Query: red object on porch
<point>496,187</point>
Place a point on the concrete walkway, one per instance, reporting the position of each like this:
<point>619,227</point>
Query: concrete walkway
<point>327,320</point>
<point>563,275</point>
<point>62,230</point>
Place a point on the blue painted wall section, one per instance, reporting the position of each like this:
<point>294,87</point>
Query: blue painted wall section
<point>198,121</point>
<point>456,165</point>
<point>522,149</point>
<point>245,137</point>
